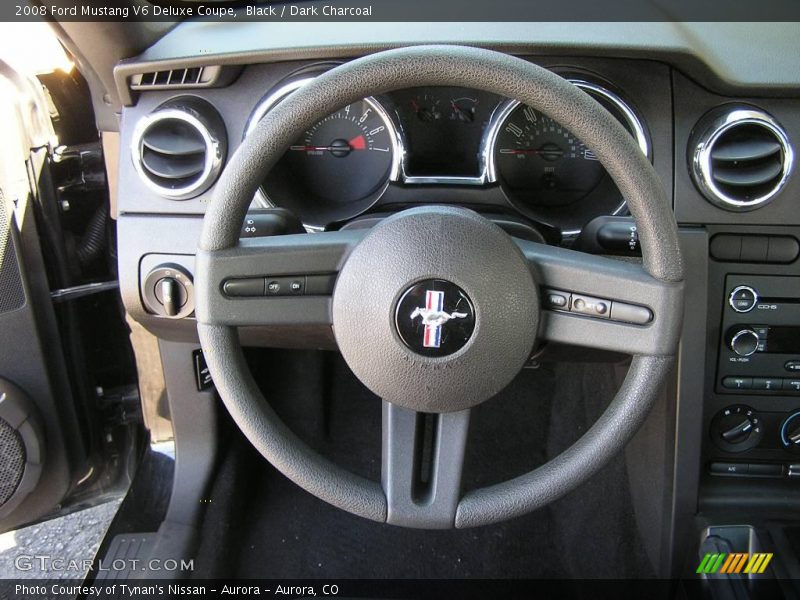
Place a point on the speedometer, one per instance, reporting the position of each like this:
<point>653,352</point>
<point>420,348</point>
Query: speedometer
<point>551,175</point>
<point>536,156</point>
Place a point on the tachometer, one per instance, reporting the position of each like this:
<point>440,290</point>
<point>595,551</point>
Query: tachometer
<point>347,156</point>
<point>338,167</point>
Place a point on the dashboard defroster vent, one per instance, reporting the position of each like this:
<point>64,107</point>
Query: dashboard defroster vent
<point>740,158</point>
<point>179,148</point>
<point>183,78</point>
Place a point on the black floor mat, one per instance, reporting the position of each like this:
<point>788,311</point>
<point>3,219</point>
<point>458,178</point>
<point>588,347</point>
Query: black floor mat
<point>274,529</point>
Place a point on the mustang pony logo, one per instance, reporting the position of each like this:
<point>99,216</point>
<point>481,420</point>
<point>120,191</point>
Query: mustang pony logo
<point>433,317</point>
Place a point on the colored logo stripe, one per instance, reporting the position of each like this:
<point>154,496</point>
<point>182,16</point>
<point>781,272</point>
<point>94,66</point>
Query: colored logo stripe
<point>735,562</point>
<point>434,301</point>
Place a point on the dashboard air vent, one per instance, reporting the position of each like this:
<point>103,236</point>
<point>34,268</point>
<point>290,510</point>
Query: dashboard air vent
<point>740,158</point>
<point>170,79</point>
<point>179,148</point>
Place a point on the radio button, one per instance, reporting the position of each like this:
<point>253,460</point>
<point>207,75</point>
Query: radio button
<point>738,383</point>
<point>792,365</point>
<point>743,299</point>
<point>769,384</point>
<point>792,385</point>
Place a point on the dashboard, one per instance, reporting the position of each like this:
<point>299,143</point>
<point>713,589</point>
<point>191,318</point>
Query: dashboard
<point>443,136</point>
<point>717,116</point>
<point>406,147</point>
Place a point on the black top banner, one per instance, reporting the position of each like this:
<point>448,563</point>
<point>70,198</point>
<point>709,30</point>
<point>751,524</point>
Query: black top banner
<point>402,10</point>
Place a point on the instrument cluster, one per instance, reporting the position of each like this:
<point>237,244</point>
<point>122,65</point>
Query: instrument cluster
<point>411,145</point>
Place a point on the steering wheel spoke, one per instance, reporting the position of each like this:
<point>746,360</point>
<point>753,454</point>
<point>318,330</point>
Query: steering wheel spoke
<point>604,303</point>
<point>273,281</point>
<point>422,461</point>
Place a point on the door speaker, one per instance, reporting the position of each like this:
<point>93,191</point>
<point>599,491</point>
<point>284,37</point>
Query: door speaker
<point>21,446</point>
<point>12,295</point>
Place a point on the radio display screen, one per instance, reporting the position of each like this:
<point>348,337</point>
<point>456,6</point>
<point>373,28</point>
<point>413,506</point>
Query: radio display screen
<point>783,340</point>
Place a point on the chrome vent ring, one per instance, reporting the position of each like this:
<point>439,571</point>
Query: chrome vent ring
<point>740,158</point>
<point>178,150</point>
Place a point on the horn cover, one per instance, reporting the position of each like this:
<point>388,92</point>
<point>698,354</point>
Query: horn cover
<point>477,300</point>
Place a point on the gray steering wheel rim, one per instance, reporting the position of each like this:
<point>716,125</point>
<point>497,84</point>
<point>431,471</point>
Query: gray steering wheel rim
<point>452,66</point>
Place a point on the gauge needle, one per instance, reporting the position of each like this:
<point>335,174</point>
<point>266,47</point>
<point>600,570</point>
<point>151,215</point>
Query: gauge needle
<point>463,114</point>
<point>537,151</point>
<point>357,143</point>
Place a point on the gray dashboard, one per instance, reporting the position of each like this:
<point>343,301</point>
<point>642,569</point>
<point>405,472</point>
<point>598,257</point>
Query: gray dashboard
<point>674,74</point>
<point>712,53</point>
<point>667,71</point>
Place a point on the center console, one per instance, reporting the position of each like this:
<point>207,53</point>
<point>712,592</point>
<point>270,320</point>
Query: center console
<point>754,431</point>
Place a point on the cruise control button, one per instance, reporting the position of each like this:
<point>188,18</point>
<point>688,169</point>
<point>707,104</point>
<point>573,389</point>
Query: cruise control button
<point>274,287</point>
<point>253,286</point>
<point>296,286</point>
<point>737,383</point>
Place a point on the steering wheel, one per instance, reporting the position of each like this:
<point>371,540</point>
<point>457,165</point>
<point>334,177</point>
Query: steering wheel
<point>436,309</point>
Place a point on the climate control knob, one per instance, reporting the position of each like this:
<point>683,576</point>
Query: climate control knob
<point>790,432</point>
<point>736,428</point>
<point>744,341</point>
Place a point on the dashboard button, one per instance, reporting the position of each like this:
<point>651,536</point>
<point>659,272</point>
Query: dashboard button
<point>792,385</point>
<point>726,468</point>
<point>556,299</point>
<point>737,383</point>
<point>593,307</point>
<point>275,287</point>
<point>630,313</point>
<point>765,470</point>
<point>792,365</point>
<point>726,246</point>
<point>769,384</point>
<point>320,285</point>
<point>244,287</point>
<point>743,299</point>
<point>754,248</point>
<point>782,249</point>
